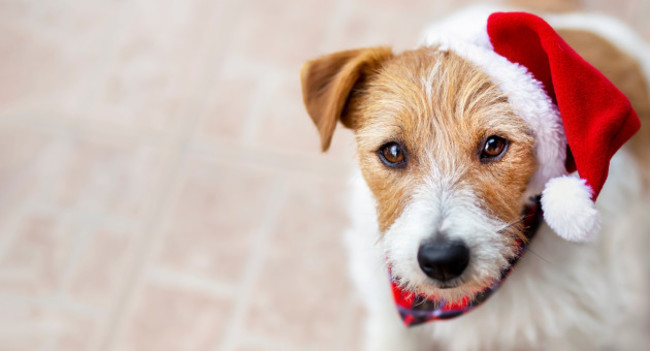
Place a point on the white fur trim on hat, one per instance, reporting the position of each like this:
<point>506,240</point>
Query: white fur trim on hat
<point>568,208</point>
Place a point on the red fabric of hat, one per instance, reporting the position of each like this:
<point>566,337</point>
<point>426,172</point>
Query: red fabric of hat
<point>597,117</point>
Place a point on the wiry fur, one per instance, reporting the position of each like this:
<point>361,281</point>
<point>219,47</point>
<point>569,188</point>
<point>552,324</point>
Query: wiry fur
<point>441,106</point>
<point>561,296</point>
<point>441,203</point>
<point>460,104</point>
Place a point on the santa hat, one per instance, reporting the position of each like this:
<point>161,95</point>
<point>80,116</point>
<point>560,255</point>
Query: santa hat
<point>580,119</point>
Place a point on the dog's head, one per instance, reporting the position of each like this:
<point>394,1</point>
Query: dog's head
<point>446,157</point>
<point>455,137</point>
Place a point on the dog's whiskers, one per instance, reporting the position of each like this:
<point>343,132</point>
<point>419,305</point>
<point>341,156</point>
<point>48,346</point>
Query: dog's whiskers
<point>507,226</point>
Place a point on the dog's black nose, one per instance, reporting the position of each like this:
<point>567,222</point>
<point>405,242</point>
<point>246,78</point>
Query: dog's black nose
<point>443,261</point>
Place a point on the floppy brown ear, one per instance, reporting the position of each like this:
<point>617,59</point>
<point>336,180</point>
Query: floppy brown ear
<point>328,81</point>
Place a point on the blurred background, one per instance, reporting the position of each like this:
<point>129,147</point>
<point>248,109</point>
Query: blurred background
<point>161,186</point>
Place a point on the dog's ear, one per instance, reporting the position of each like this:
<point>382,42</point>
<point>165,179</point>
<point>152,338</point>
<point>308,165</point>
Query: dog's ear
<point>328,81</point>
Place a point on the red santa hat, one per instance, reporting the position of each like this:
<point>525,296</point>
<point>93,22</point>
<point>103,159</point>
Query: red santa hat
<point>579,117</point>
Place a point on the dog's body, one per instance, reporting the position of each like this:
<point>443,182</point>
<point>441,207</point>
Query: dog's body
<point>561,295</point>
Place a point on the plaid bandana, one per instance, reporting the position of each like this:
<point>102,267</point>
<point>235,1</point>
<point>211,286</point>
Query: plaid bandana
<point>417,309</point>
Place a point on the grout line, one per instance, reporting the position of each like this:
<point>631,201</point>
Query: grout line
<point>257,67</point>
<point>242,155</point>
<point>115,37</point>
<point>52,302</point>
<point>254,265</point>
<point>11,230</point>
<point>277,161</point>
<point>73,132</point>
<point>172,278</point>
<point>259,342</point>
<point>38,206</point>
<point>144,250</point>
<point>229,22</point>
<point>266,85</point>
<point>81,242</point>
<point>9,198</point>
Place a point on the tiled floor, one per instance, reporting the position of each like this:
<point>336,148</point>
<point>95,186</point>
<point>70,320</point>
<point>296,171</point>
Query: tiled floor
<point>161,186</point>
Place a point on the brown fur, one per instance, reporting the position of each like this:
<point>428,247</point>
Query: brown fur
<point>442,119</point>
<point>626,74</point>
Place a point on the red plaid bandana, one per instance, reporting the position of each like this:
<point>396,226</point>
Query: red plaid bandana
<point>417,309</point>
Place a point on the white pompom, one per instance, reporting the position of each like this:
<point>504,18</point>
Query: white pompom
<point>569,210</point>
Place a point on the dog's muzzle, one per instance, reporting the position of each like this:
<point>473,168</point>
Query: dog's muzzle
<point>445,263</point>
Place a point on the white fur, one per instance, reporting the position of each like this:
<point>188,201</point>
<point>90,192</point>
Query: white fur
<point>444,206</point>
<point>384,329</point>
<point>560,296</point>
<point>568,208</point>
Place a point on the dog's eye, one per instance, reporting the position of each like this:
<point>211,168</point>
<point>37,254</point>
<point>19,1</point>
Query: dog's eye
<point>392,155</point>
<point>493,148</point>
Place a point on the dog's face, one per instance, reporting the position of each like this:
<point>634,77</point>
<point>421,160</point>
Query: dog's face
<point>446,158</point>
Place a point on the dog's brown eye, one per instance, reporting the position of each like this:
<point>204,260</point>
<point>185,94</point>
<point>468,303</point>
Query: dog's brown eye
<point>493,148</point>
<point>392,155</point>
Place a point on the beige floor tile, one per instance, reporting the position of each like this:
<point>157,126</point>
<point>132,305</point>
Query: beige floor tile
<point>152,75</point>
<point>52,52</point>
<point>304,283</point>
<point>89,174</point>
<point>234,98</point>
<point>284,122</point>
<point>74,333</point>
<point>102,267</point>
<point>398,8</point>
<point>20,147</point>
<point>229,110</point>
<point>251,342</point>
<point>111,176</point>
<point>167,318</point>
<point>365,25</point>
<point>28,327</point>
<point>282,33</point>
<point>34,262</point>
<point>69,211</point>
<point>211,225</point>
<point>276,125</point>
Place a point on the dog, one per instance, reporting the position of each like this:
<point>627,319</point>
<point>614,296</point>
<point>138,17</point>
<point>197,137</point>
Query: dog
<point>460,204</point>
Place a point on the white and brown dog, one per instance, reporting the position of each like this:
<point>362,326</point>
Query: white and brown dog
<point>460,142</point>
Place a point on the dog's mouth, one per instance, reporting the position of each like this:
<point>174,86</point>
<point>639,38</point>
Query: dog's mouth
<point>447,285</point>
<point>453,290</point>
<point>457,283</point>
